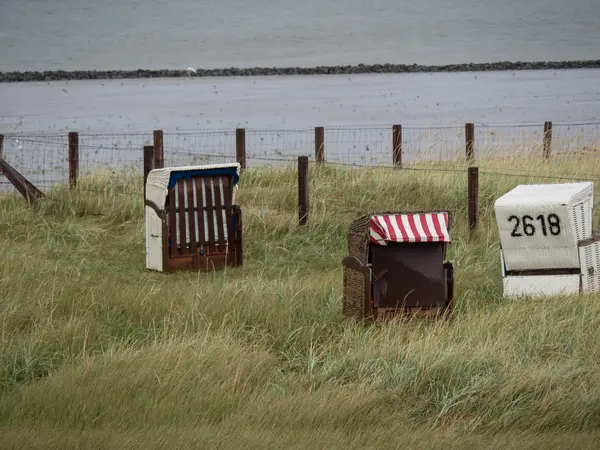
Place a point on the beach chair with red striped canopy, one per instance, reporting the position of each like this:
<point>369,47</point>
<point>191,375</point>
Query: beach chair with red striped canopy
<point>396,265</point>
<point>192,221</point>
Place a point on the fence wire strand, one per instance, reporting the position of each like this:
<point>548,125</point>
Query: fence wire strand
<point>43,157</point>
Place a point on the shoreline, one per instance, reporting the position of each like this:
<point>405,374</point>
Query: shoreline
<point>59,75</point>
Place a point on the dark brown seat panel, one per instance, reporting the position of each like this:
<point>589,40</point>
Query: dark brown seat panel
<point>414,277</point>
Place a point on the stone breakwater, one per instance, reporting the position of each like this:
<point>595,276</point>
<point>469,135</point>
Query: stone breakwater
<point>58,75</point>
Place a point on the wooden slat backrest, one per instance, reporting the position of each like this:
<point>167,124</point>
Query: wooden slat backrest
<point>200,214</point>
<point>192,213</point>
<point>227,210</point>
<point>182,239</point>
<point>218,196</point>
<point>209,205</point>
<point>172,224</point>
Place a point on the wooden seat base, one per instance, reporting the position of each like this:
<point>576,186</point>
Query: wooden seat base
<point>381,315</point>
<point>198,261</point>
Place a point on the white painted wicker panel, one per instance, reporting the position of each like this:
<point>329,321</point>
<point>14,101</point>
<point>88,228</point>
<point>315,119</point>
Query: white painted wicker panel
<point>158,180</point>
<point>582,216</point>
<point>541,244</point>
<point>540,285</point>
<point>590,266</point>
<point>153,240</point>
<point>156,194</point>
<point>550,194</point>
<point>539,250</point>
<point>160,177</point>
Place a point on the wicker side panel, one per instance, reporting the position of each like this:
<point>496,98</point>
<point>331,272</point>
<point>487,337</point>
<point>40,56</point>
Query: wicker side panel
<point>354,281</point>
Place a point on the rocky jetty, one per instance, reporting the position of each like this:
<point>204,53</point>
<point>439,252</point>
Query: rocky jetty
<point>59,75</point>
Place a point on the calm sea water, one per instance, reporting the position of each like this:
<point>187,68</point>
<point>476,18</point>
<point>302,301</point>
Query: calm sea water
<point>130,34</point>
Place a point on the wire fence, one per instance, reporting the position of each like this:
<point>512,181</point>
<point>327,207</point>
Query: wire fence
<point>43,158</point>
<point>446,187</point>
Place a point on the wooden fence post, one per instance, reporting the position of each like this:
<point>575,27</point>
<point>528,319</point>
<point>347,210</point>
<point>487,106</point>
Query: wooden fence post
<point>149,159</point>
<point>240,147</point>
<point>1,150</point>
<point>303,203</point>
<point>470,141</point>
<point>547,139</point>
<point>73,158</point>
<point>397,145</point>
<point>319,144</point>
<point>159,155</point>
<point>473,197</point>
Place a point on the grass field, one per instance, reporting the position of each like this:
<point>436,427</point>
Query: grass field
<point>98,352</point>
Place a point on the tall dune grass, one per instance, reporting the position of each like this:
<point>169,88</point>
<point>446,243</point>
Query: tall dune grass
<point>97,351</point>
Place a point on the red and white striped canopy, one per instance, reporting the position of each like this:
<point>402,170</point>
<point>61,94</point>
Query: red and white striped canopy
<point>417,227</point>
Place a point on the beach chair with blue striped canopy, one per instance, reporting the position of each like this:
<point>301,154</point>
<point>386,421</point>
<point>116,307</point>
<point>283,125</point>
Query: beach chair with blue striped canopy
<point>192,221</point>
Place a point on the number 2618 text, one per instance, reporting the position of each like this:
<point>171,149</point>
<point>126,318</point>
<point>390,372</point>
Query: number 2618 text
<point>527,225</point>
